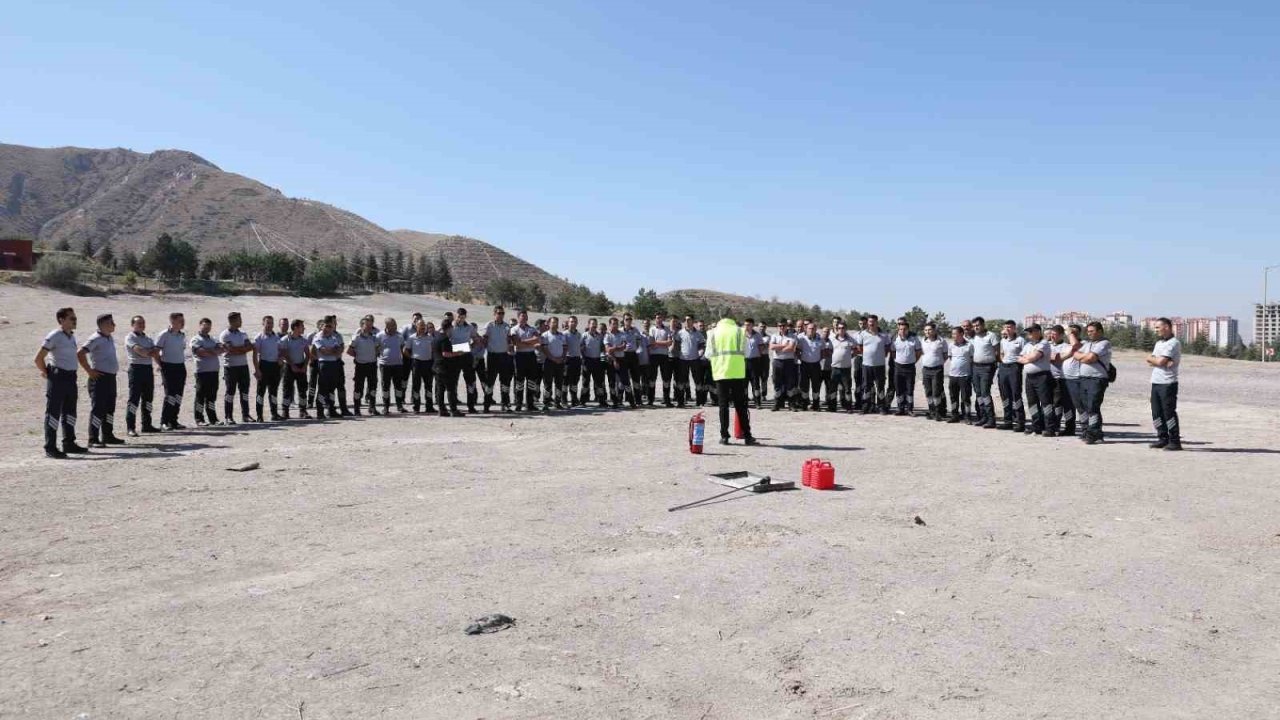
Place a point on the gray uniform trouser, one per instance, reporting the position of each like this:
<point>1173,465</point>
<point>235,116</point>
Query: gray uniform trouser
<point>874,393</point>
<point>102,407</point>
<point>142,390</point>
<point>392,381</point>
<point>858,381</point>
<point>842,380</point>
<point>784,381</point>
<point>960,388</point>
<point>572,376</point>
<point>499,369</point>
<point>1011,395</point>
<point>810,384</point>
<point>1164,412</point>
<point>174,378</point>
<point>268,387</point>
<point>421,380</point>
<point>1039,399</point>
<point>983,374</point>
<point>934,393</point>
<point>526,383</point>
<point>1062,410</point>
<point>1076,398</point>
<point>365,384</point>
<point>295,388</point>
<point>1091,391</point>
<point>60,393</point>
<point>904,386</point>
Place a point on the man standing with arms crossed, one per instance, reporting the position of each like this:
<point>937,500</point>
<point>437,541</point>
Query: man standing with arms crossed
<point>1010,377</point>
<point>843,349</point>
<point>553,345</point>
<point>421,348</point>
<point>266,367</point>
<point>172,344</point>
<point>526,338</point>
<point>986,348</point>
<point>142,354</point>
<point>660,342</point>
<point>809,345</point>
<point>782,346</point>
<point>236,345</point>
<point>499,364</point>
<point>1095,361</point>
<point>572,360</point>
<point>1036,359</point>
<point>206,350</point>
<point>756,357</point>
<point>726,351</point>
<point>906,350</point>
<point>593,365</point>
<point>933,354</point>
<point>364,350</point>
<point>876,346</point>
<point>615,347</point>
<point>1164,360</point>
<point>326,348</point>
<point>960,374</point>
<point>98,358</point>
<point>295,351</point>
<point>687,341</point>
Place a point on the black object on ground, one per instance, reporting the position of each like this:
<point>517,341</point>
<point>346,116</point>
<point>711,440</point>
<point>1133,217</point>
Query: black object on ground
<point>490,624</point>
<point>763,484</point>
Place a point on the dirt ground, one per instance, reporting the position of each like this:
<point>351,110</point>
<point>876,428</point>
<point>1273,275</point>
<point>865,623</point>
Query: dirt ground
<point>1051,579</point>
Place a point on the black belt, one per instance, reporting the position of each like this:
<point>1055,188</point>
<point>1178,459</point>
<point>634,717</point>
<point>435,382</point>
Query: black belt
<point>978,364</point>
<point>1007,364</point>
<point>59,371</point>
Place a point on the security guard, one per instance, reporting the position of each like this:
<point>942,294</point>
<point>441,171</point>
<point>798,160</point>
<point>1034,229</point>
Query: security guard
<point>959,374</point>
<point>708,393</point>
<point>1071,373</point>
<point>407,332</point>
<point>660,342</point>
<point>824,371</point>
<point>647,384</point>
<point>906,351</point>
<point>1010,378</point>
<point>1060,408</point>
<point>843,349</point>
<point>295,353</point>
<point>266,368</point>
<point>1095,363</point>
<point>98,359</point>
<point>726,351</point>
<point>593,365</point>
<point>573,360</point>
<point>60,385</point>
<point>498,362</point>
<point>421,353</point>
<point>465,332</point>
<point>342,371</point>
<point>236,346</point>
<point>859,389</point>
<point>391,365</point>
<point>555,349</point>
<point>986,347</point>
<point>632,382</point>
<point>757,361</point>
<point>326,348</point>
<point>172,344</point>
<point>142,354</point>
<point>933,354</point>
<point>448,367</point>
<point>526,338</point>
<point>876,346</point>
<point>782,347</point>
<point>615,346</point>
<point>1036,359</point>
<point>364,349</point>
<point>206,350</point>
<point>687,342</point>
<point>1164,360</point>
<point>313,367</point>
<point>809,345</point>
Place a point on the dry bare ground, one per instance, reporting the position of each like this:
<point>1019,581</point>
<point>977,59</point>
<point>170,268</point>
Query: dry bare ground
<point>1052,580</point>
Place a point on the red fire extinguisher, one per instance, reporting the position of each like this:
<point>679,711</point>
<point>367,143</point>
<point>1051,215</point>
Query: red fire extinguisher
<point>697,432</point>
<point>737,426</point>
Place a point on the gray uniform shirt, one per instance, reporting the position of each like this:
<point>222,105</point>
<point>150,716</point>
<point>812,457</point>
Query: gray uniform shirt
<point>985,347</point>
<point>618,341</point>
<point>755,341</point>
<point>366,347</point>
<point>933,352</point>
<point>633,336</point>
<point>905,350</point>
<point>1055,366</point>
<point>524,333</point>
<point>843,348</point>
<point>204,342</point>
<point>875,348</point>
<point>267,347</point>
<point>139,340</point>
<point>496,336</point>
<point>592,346</point>
<point>234,339</point>
<point>779,339</point>
<point>661,333</point>
<point>689,340</point>
<point>102,354</point>
<point>390,348</point>
<point>1098,368</point>
<point>1070,365</point>
<point>573,344</point>
<point>320,342</point>
<point>294,349</point>
<point>1171,349</point>
<point>173,346</point>
<point>422,346</point>
<point>554,344</point>
<point>810,348</point>
<point>1011,349</point>
<point>961,359</point>
<point>1042,365</point>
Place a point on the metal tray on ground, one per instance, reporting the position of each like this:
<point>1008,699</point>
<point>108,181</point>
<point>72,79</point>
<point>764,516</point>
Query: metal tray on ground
<point>743,478</point>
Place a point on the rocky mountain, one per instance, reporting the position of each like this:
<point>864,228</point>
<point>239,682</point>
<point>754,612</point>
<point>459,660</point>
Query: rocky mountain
<point>128,198</point>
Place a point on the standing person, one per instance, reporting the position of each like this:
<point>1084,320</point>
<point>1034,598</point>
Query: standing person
<point>756,352</point>
<point>782,346</point>
<point>526,338</point>
<point>1164,360</point>
<point>498,363</point>
<point>1060,404</point>
<point>464,332</point>
<point>313,367</point>
<point>295,353</point>
<point>687,341</point>
<point>206,350</point>
<point>960,374</point>
<point>60,385</point>
<point>875,359</point>
<point>593,365</point>
<point>632,382</point>
<point>421,349</point>
<point>1036,359</point>
<point>540,355</point>
<point>660,342</point>
<point>142,354</point>
<point>648,373</point>
<point>843,349</point>
<point>986,349</point>
<point>906,351</point>
<point>933,354</point>
<point>364,350</point>
<point>708,392</point>
<point>859,389</point>
<point>555,348</point>
<point>1095,363</point>
<point>448,365</point>
<point>825,370</point>
<point>236,346</point>
<point>172,344</point>
<point>726,351</point>
<point>98,358</point>
<point>326,348</point>
<point>615,346</point>
<point>1071,373</point>
<point>391,365</point>
<point>1010,378</point>
<point>810,347</point>
<point>342,371</point>
<point>573,360</point>
<point>406,332</point>
<point>284,327</point>
<point>266,367</point>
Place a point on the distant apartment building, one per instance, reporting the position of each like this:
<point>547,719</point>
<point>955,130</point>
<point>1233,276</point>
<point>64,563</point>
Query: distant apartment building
<point>1037,319</point>
<point>1222,331</point>
<point>1078,317</point>
<point>1118,317</point>
<point>1266,324</point>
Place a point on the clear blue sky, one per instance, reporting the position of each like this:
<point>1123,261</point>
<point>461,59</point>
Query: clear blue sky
<point>997,157</point>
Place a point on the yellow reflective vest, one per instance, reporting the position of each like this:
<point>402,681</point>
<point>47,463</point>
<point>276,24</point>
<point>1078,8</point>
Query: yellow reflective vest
<point>727,351</point>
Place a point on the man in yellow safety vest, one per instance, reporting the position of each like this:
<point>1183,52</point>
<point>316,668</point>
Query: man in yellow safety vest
<point>726,349</point>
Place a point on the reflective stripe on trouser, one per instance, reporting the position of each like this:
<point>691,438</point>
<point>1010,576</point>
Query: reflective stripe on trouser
<point>1039,399</point>
<point>960,389</point>
<point>683,371</point>
<point>268,388</point>
<point>206,400</point>
<point>329,380</point>
<point>142,391</point>
<point>1061,408</point>
<point>102,407</point>
<point>313,383</point>
<point>1010,378</point>
<point>552,383</point>
<point>572,376</point>
<point>1164,411</point>
<point>499,368</point>
<point>842,379</point>
<point>467,370</point>
<point>593,380</point>
<point>365,384</point>
<point>420,381</point>
<point>60,393</point>
<point>1091,392</point>
<point>295,389</point>
<point>810,383</point>
<point>873,387</point>
<point>174,378</point>
<point>237,380</point>
<point>983,375</point>
<point>663,367</point>
<point>933,390</point>
<point>904,386</point>
<point>785,376</point>
<point>526,383</point>
<point>447,383</point>
<point>392,380</point>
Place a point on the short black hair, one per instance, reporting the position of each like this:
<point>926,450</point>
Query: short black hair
<point>105,317</point>
<point>931,324</point>
<point>1165,321</point>
<point>1010,322</point>
<point>135,319</point>
<point>176,316</point>
<point>1035,328</point>
<point>205,320</point>
<point>748,320</point>
<point>1058,329</point>
<point>979,319</point>
<point>232,315</point>
<point>63,313</point>
<point>1095,325</point>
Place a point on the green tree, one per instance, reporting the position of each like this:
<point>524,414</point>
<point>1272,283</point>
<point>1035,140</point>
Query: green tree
<point>129,261</point>
<point>916,317</point>
<point>171,259</point>
<point>386,271</point>
<point>86,249</point>
<point>320,278</point>
<point>107,256</point>
<point>64,245</point>
<point>444,278</point>
<point>370,274</point>
<point>426,273</point>
<point>59,271</point>
<point>600,304</point>
<point>647,304</point>
<point>1199,345</point>
<point>939,319</point>
<point>398,272</point>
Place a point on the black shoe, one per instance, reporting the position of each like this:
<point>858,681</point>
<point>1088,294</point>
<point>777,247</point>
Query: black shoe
<point>1051,433</point>
<point>112,440</point>
<point>1173,447</point>
<point>55,453</point>
<point>750,441</point>
<point>131,433</point>
<point>471,409</point>
<point>724,441</point>
<point>1158,445</point>
<point>668,404</point>
<point>345,413</point>
<point>177,426</point>
<point>374,412</point>
<point>74,449</point>
<point>302,415</point>
<point>1004,426</point>
<point>150,429</point>
<point>990,426</point>
<point>457,413</point>
<point>1091,441</point>
<point>278,418</point>
<point>97,444</point>
<point>444,413</point>
<point>488,409</point>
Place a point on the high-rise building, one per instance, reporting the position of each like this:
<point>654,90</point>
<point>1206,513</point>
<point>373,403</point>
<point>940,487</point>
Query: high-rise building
<point>1118,317</point>
<point>1037,318</point>
<point>1266,325</point>
<point>1224,332</point>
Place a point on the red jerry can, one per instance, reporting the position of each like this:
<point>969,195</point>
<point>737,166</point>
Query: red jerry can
<point>824,477</point>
